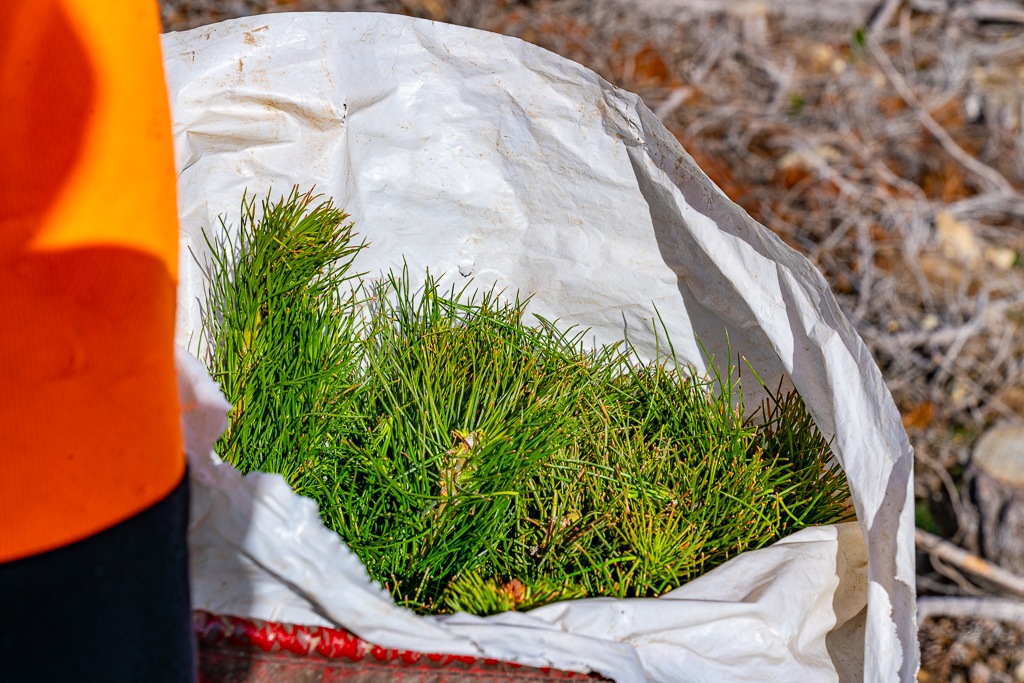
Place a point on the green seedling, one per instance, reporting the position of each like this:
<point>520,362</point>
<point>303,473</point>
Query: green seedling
<point>478,460</point>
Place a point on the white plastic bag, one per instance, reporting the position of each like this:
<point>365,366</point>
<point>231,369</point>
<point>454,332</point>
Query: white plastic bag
<point>477,155</point>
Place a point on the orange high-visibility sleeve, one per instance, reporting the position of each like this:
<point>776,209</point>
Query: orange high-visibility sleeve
<point>89,429</point>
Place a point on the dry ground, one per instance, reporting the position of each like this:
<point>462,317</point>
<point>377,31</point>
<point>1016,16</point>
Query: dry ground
<point>890,156</point>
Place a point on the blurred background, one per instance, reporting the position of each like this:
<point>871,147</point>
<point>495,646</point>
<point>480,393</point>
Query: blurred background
<point>885,141</point>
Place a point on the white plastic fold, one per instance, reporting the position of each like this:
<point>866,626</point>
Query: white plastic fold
<point>480,156</point>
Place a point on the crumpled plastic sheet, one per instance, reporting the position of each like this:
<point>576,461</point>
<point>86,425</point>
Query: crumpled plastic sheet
<point>479,156</point>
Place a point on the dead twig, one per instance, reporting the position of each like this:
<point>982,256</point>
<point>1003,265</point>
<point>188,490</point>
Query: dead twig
<point>954,495</point>
<point>987,204</point>
<point>956,577</point>
<point>674,100</point>
<point>993,178</point>
<point>936,586</point>
<point>1008,12</point>
<point>1005,580</point>
<point>987,608</point>
<point>883,15</point>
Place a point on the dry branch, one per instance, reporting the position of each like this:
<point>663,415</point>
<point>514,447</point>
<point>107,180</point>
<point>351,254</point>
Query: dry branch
<point>945,551</point>
<point>987,608</point>
<point>1009,12</point>
<point>884,14</point>
<point>993,178</point>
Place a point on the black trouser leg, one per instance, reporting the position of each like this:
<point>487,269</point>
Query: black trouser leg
<point>113,607</point>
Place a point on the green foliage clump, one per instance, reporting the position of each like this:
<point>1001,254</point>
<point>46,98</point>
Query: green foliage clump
<point>477,463</point>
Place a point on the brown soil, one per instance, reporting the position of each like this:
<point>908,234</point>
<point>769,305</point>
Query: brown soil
<point>971,650</point>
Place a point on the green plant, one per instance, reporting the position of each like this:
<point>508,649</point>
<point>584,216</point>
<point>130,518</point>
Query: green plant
<point>858,41</point>
<point>475,462</point>
<point>282,335</point>
<point>797,102</point>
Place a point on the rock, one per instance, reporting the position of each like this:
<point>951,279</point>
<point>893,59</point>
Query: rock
<point>979,673</point>
<point>958,239</point>
<point>1000,454</point>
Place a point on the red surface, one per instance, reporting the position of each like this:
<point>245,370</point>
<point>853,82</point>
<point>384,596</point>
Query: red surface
<point>236,650</point>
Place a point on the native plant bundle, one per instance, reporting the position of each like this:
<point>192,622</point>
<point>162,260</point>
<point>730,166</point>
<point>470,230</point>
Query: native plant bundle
<point>478,461</point>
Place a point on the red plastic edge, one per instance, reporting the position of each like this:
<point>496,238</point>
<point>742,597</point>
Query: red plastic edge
<point>220,630</point>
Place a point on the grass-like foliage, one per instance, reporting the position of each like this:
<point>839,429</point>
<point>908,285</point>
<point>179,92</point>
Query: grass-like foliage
<point>475,462</point>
